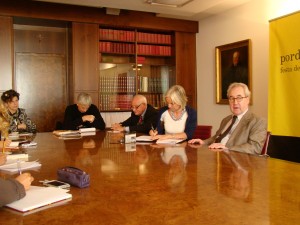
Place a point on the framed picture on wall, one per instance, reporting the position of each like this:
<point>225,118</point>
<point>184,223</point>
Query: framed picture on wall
<point>233,64</point>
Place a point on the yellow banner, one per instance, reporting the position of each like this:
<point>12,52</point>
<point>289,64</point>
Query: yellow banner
<point>284,76</point>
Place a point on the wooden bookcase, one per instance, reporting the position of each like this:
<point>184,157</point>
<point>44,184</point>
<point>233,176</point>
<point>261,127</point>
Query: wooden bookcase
<point>132,62</point>
<point>84,60</point>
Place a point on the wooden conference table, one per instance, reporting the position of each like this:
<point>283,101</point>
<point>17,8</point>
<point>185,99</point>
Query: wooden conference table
<point>151,184</point>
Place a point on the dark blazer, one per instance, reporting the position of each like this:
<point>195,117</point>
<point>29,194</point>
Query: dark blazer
<point>149,120</point>
<point>73,118</point>
<point>249,135</point>
<point>191,122</point>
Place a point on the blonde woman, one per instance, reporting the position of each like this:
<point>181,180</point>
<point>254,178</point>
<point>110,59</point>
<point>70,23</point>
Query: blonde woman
<point>176,120</point>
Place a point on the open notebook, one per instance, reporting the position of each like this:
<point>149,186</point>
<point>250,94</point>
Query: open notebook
<point>39,197</point>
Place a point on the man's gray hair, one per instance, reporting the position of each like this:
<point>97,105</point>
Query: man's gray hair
<point>84,99</point>
<point>242,85</point>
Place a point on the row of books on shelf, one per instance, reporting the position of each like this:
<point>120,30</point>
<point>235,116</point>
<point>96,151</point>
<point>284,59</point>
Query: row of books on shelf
<point>121,83</point>
<point>126,48</point>
<point>152,84</point>
<point>118,35</point>
<point>124,83</point>
<point>128,35</point>
<point>112,47</point>
<point>154,50</point>
<point>115,102</point>
<point>153,38</point>
<point>123,102</point>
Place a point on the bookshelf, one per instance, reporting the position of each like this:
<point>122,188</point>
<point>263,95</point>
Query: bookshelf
<point>134,62</point>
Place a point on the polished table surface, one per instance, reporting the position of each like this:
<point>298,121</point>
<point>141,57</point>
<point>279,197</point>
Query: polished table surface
<point>156,184</point>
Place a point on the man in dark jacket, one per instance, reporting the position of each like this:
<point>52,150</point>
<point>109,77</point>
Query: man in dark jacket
<point>142,119</point>
<point>84,114</point>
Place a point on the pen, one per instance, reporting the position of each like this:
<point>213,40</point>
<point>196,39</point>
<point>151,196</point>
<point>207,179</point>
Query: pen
<point>3,146</point>
<point>19,166</point>
<point>153,130</point>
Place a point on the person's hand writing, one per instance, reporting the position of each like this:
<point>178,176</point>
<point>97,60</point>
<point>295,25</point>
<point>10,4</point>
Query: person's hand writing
<point>2,159</point>
<point>160,137</point>
<point>25,179</point>
<point>89,118</point>
<point>153,132</point>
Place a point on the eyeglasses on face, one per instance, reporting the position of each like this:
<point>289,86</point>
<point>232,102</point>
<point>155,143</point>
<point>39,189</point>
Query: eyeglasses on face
<point>238,98</point>
<point>136,107</point>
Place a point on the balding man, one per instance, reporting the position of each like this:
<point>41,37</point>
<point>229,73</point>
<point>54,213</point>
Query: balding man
<point>142,119</point>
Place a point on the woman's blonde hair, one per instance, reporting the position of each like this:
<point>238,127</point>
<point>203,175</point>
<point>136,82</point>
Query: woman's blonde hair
<point>177,94</point>
<point>4,120</point>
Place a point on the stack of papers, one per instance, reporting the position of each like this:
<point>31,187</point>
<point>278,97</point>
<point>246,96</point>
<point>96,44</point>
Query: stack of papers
<point>75,134</point>
<point>29,145</point>
<point>13,167</point>
<point>15,155</point>
<point>39,197</point>
<point>145,138</point>
<point>169,141</point>
<point>13,144</point>
<point>66,132</point>
<point>83,130</point>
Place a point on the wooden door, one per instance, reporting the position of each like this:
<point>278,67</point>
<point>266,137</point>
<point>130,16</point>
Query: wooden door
<point>41,82</point>
<point>41,73</point>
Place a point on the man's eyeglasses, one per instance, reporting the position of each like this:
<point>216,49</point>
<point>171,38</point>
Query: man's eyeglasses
<point>136,107</point>
<point>238,99</point>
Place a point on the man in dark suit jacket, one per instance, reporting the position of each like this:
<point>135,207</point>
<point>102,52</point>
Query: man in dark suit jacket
<point>142,119</point>
<point>248,132</point>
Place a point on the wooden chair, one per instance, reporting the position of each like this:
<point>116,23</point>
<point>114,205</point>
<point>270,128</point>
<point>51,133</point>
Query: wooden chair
<point>203,132</point>
<point>264,150</point>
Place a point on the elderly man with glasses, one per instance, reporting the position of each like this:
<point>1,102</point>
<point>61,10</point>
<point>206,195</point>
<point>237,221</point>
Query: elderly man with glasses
<point>242,131</point>
<point>143,117</point>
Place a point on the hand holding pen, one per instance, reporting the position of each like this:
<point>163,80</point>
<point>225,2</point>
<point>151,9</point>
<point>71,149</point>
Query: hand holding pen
<point>25,179</point>
<point>153,131</point>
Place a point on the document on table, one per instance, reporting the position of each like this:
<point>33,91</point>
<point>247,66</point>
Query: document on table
<point>170,141</point>
<point>146,138</point>
<point>37,197</point>
<point>29,145</point>
<point>66,132</point>
<point>16,155</point>
<point>91,129</point>
<point>14,167</point>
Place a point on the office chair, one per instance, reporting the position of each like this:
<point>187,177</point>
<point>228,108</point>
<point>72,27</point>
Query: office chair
<point>203,132</point>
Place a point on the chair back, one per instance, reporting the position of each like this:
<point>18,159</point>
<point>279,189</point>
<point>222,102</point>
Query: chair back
<point>264,150</point>
<point>203,132</point>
